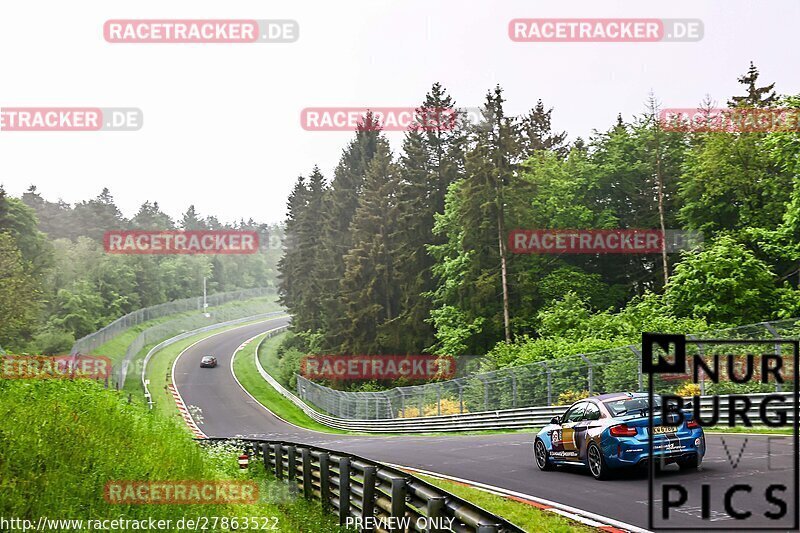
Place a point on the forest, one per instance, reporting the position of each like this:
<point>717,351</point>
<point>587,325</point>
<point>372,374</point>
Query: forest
<point>58,284</point>
<point>407,253</point>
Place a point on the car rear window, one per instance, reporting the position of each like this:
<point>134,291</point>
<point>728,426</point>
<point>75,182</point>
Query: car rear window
<point>631,406</point>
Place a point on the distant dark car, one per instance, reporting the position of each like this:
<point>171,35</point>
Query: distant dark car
<point>208,361</point>
<point>609,432</point>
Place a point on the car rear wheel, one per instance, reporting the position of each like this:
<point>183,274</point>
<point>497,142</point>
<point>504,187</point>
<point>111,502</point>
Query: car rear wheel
<point>597,465</point>
<point>540,454</point>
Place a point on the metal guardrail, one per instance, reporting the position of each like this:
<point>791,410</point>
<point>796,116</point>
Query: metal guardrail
<point>356,487</point>
<point>93,340</point>
<point>172,340</point>
<point>503,419</point>
<point>533,384</point>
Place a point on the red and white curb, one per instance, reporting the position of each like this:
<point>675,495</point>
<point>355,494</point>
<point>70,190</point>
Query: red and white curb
<point>187,417</point>
<point>594,520</point>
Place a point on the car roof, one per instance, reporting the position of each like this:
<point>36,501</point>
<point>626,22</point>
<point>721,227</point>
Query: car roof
<point>208,357</point>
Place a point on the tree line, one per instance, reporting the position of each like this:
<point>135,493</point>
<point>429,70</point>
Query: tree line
<point>57,283</point>
<point>407,252</point>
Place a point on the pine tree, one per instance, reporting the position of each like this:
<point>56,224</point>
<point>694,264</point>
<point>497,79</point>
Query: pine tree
<point>311,264</point>
<point>55,218</point>
<point>756,96</point>
<point>475,253</point>
<point>151,217</point>
<point>340,207</point>
<point>291,274</point>
<point>99,215</point>
<point>370,292</point>
<point>432,159</point>
<point>191,220</point>
<point>537,132</point>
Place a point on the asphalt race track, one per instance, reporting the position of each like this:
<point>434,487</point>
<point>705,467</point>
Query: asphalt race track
<point>500,460</point>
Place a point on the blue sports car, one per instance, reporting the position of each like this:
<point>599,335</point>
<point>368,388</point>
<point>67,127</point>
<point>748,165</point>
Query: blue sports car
<point>609,432</point>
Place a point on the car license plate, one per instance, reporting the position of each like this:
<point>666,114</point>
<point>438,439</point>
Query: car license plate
<point>660,430</point>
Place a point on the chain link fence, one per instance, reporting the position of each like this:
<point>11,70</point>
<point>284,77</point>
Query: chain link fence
<point>98,338</point>
<point>535,384</point>
<point>193,324</point>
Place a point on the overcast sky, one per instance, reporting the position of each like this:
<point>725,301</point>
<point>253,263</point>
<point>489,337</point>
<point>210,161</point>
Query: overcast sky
<point>222,121</point>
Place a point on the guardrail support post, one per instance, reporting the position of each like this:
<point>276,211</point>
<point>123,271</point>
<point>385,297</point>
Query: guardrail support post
<point>590,373</point>
<point>513,388</point>
<point>305,454</point>
<point>278,447</point>
<point>325,480</point>
<point>775,334</point>
<point>292,474</point>
<point>638,354</point>
<point>485,392</point>
<point>398,498</point>
<point>344,490</point>
<point>368,503</point>
<point>701,349</point>
<point>549,384</point>
<point>265,453</point>
<point>434,509</point>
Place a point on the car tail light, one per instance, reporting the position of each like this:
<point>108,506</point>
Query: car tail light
<point>622,430</point>
<point>692,424</point>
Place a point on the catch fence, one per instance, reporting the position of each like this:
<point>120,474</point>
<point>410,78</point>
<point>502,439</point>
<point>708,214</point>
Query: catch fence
<point>90,342</point>
<point>543,383</point>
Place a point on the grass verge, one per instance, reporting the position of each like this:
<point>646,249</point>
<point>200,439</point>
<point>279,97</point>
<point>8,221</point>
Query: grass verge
<point>85,436</point>
<point>246,372</point>
<point>522,514</point>
<point>761,430</point>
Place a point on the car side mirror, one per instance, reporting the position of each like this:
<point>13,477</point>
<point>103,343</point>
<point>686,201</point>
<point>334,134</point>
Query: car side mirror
<point>555,420</point>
